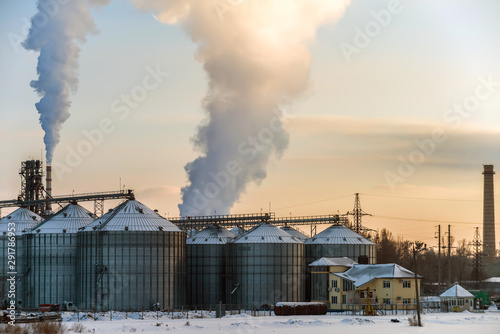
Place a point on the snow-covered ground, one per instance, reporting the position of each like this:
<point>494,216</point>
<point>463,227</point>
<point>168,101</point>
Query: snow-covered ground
<point>439,323</point>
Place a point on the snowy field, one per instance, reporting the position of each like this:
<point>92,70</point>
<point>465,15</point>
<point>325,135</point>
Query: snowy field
<point>439,323</point>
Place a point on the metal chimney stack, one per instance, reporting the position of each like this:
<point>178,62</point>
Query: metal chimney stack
<point>48,184</point>
<point>488,215</point>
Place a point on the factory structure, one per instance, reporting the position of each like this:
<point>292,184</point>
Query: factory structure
<point>131,258</point>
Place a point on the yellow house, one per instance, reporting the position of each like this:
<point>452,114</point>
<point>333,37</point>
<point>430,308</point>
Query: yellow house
<point>389,285</point>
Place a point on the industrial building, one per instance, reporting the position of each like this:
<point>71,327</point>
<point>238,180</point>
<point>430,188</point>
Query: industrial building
<point>264,266</point>
<point>206,266</point>
<point>51,257</point>
<point>131,259</point>
<point>11,228</point>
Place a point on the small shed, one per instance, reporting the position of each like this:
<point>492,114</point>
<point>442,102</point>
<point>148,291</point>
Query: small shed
<point>457,299</point>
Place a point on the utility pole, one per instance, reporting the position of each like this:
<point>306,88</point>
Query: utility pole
<point>418,246</point>
<point>449,255</point>
<point>439,258</point>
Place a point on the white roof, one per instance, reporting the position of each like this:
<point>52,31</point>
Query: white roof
<point>211,235</point>
<point>492,280</point>
<point>360,274</point>
<point>337,235</point>
<point>456,291</point>
<point>23,218</point>
<point>68,220</point>
<point>333,261</point>
<point>236,230</point>
<point>295,233</point>
<point>265,233</point>
<point>131,216</point>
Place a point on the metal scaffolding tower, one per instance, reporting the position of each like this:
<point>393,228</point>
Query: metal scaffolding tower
<point>477,256</point>
<point>32,189</point>
<point>357,213</point>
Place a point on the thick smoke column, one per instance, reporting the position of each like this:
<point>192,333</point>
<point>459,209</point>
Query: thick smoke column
<point>256,57</point>
<point>55,31</point>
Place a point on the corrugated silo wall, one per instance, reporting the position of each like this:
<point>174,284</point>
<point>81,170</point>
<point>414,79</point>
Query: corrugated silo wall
<point>266,274</point>
<point>127,270</point>
<point>352,251</point>
<point>205,274</point>
<point>51,258</point>
<point>19,267</point>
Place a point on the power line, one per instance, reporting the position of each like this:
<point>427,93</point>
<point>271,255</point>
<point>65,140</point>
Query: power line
<point>426,198</point>
<point>308,203</point>
<point>426,220</point>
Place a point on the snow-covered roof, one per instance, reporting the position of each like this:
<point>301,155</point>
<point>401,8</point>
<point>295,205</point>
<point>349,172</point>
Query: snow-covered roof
<point>333,261</point>
<point>492,280</point>
<point>23,219</point>
<point>236,230</point>
<point>295,233</point>
<point>337,235</point>
<point>131,216</point>
<point>211,235</point>
<point>456,291</point>
<point>265,233</point>
<point>360,274</point>
<point>68,220</point>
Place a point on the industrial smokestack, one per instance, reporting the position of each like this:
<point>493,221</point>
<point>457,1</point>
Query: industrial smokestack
<point>48,186</point>
<point>488,215</point>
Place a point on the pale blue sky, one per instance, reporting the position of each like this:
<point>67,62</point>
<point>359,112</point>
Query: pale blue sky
<point>346,133</point>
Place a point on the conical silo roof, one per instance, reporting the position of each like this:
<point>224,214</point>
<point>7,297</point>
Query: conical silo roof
<point>295,233</point>
<point>132,216</point>
<point>23,219</point>
<point>337,235</point>
<point>211,235</point>
<point>237,230</point>
<point>68,220</point>
<point>265,233</point>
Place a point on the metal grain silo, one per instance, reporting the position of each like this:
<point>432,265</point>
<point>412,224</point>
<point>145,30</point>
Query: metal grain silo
<point>131,259</point>
<point>338,241</point>
<point>11,243</point>
<point>206,266</point>
<point>51,257</point>
<point>264,266</point>
<point>295,233</point>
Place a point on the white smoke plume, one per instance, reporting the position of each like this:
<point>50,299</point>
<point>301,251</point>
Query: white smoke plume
<point>256,57</point>
<point>55,32</point>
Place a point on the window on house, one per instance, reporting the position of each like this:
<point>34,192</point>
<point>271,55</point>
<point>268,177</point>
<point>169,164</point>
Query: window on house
<point>406,300</point>
<point>387,284</point>
<point>406,284</point>
<point>387,301</point>
<point>334,283</point>
<point>334,300</point>
<point>344,299</point>
<point>361,294</point>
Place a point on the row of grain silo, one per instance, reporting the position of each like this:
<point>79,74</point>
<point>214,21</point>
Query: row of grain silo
<point>264,265</point>
<point>133,259</point>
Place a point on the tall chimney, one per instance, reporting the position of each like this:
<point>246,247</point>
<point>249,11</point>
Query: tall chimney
<point>488,215</point>
<point>48,184</point>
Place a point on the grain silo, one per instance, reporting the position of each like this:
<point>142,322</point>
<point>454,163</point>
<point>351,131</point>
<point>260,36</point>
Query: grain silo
<point>338,241</point>
<point>11,243</point>
<point>295,233</point>
<point>132,259</point>
<point>264,266</point>
<point>51,255</point>
<point>206,266</point>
